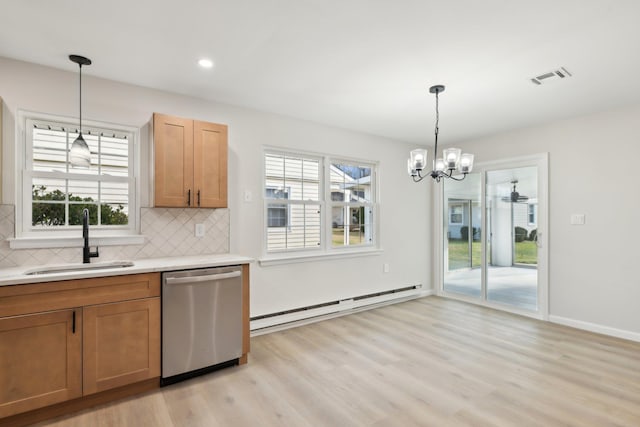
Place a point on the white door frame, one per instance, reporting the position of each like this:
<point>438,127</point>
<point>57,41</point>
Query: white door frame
<point>541,161</point>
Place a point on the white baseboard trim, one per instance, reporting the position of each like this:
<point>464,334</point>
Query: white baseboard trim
<point>594,327</point>
<point>279,323</point>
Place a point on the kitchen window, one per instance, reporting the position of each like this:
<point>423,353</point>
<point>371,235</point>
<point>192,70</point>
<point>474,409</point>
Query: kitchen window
<point>54,193</point>
<point>317,204</point>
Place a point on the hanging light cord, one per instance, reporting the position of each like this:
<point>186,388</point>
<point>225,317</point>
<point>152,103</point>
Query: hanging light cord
<point>81,98</point>
<point>435,150</point>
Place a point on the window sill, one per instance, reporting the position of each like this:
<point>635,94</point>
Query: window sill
<point>73,242</point>
<point>289,258</point>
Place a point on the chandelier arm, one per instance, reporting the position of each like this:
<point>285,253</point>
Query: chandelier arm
<point>458,179</point>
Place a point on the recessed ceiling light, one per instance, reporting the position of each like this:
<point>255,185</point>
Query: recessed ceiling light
<point>205,63</point>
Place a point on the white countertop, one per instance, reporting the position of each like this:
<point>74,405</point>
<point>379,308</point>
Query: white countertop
<point>17,275</point>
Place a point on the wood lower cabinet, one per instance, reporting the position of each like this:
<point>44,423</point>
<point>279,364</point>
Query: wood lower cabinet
<point>40,360</point>
<point>74,338</point>
<point>121,344</point>
<point>190,163</point>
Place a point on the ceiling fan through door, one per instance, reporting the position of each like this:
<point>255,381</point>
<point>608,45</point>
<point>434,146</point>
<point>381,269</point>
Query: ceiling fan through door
<point>515,197</point>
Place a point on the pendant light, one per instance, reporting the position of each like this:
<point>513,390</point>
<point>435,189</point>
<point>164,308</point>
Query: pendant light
<point>80,155</point>
<point>452,158</point>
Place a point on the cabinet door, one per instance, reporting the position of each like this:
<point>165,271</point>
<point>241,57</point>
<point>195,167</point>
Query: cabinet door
<point>210,164</point>
<point>40,360</point>
<point>121,344</point>
<point>173,154</point>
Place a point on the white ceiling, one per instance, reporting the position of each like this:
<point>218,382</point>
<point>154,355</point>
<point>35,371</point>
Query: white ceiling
<point>364,65</point>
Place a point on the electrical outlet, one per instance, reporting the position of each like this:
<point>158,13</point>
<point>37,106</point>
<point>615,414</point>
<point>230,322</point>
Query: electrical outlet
<point>199,230</point>
<point>248,196</point>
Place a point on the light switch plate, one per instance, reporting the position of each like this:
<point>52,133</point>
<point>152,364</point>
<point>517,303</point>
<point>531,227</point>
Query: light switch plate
<point>199,230</point>
<point>248,196</point>
<point>577,219</point>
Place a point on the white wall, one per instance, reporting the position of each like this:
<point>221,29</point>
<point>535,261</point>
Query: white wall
<point>404,206</point>
<point>594,277</point>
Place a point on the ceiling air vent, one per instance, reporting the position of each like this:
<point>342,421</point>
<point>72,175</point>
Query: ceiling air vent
<point>560,73</point>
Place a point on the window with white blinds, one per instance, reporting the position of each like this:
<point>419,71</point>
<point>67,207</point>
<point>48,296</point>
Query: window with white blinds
<point>55,193</point>
<point>292,198</point>
<point>318,203</point>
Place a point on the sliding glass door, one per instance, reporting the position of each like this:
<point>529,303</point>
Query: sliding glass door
<point>492,247</point>
<point>463,231</point>
<point>512,272</point>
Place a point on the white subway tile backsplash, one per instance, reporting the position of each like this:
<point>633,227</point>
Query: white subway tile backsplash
<point>167,231</point>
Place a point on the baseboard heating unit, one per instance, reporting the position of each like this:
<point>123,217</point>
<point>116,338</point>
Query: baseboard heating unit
<point>313,313</point>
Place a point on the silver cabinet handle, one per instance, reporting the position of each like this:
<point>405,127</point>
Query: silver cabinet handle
<point>196,279</point>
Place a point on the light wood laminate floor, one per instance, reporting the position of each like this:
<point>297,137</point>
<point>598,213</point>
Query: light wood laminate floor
<point>426,362</point>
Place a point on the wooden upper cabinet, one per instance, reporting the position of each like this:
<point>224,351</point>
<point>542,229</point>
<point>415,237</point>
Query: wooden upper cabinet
<point>210,164</point>
<point>173,152</point>
<point>190,163</point>
<point>40,360</point>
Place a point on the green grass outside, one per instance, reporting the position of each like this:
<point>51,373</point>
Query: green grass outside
<point>459,254</point>
<point>526,253</point>
<point>337,237</point>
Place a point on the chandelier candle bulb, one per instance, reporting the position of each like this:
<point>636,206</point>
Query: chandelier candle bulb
<point>418,159</point>
<point>466,163</point>
<point>440,165</point>
<point>451,157</point>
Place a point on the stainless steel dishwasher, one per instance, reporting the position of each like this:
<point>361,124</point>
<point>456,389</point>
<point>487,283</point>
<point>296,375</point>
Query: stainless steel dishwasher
<point>201,321</point>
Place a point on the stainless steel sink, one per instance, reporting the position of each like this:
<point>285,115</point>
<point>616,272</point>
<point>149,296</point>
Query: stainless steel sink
<point>75,268</point>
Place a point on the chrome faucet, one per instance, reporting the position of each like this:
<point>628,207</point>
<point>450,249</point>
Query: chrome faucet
<point>86,252</point>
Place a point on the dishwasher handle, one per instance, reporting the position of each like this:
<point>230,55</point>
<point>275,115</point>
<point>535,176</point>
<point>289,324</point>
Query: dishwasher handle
<point>196,279</point>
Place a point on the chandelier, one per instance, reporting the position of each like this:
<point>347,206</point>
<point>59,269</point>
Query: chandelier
<point>452,159</point>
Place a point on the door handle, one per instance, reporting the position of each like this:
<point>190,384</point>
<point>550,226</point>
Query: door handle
<point>189,197</point>
<point>73,322</point>
<point>198,197</point>
<point>196,279</point>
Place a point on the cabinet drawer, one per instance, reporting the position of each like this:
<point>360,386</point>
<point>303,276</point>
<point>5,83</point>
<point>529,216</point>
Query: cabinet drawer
<point>39,297</point>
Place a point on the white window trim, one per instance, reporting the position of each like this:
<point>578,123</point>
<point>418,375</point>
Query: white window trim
<point>71,237</point>
<point>326,250</point>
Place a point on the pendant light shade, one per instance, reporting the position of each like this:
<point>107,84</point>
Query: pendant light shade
<point>79,154</point>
